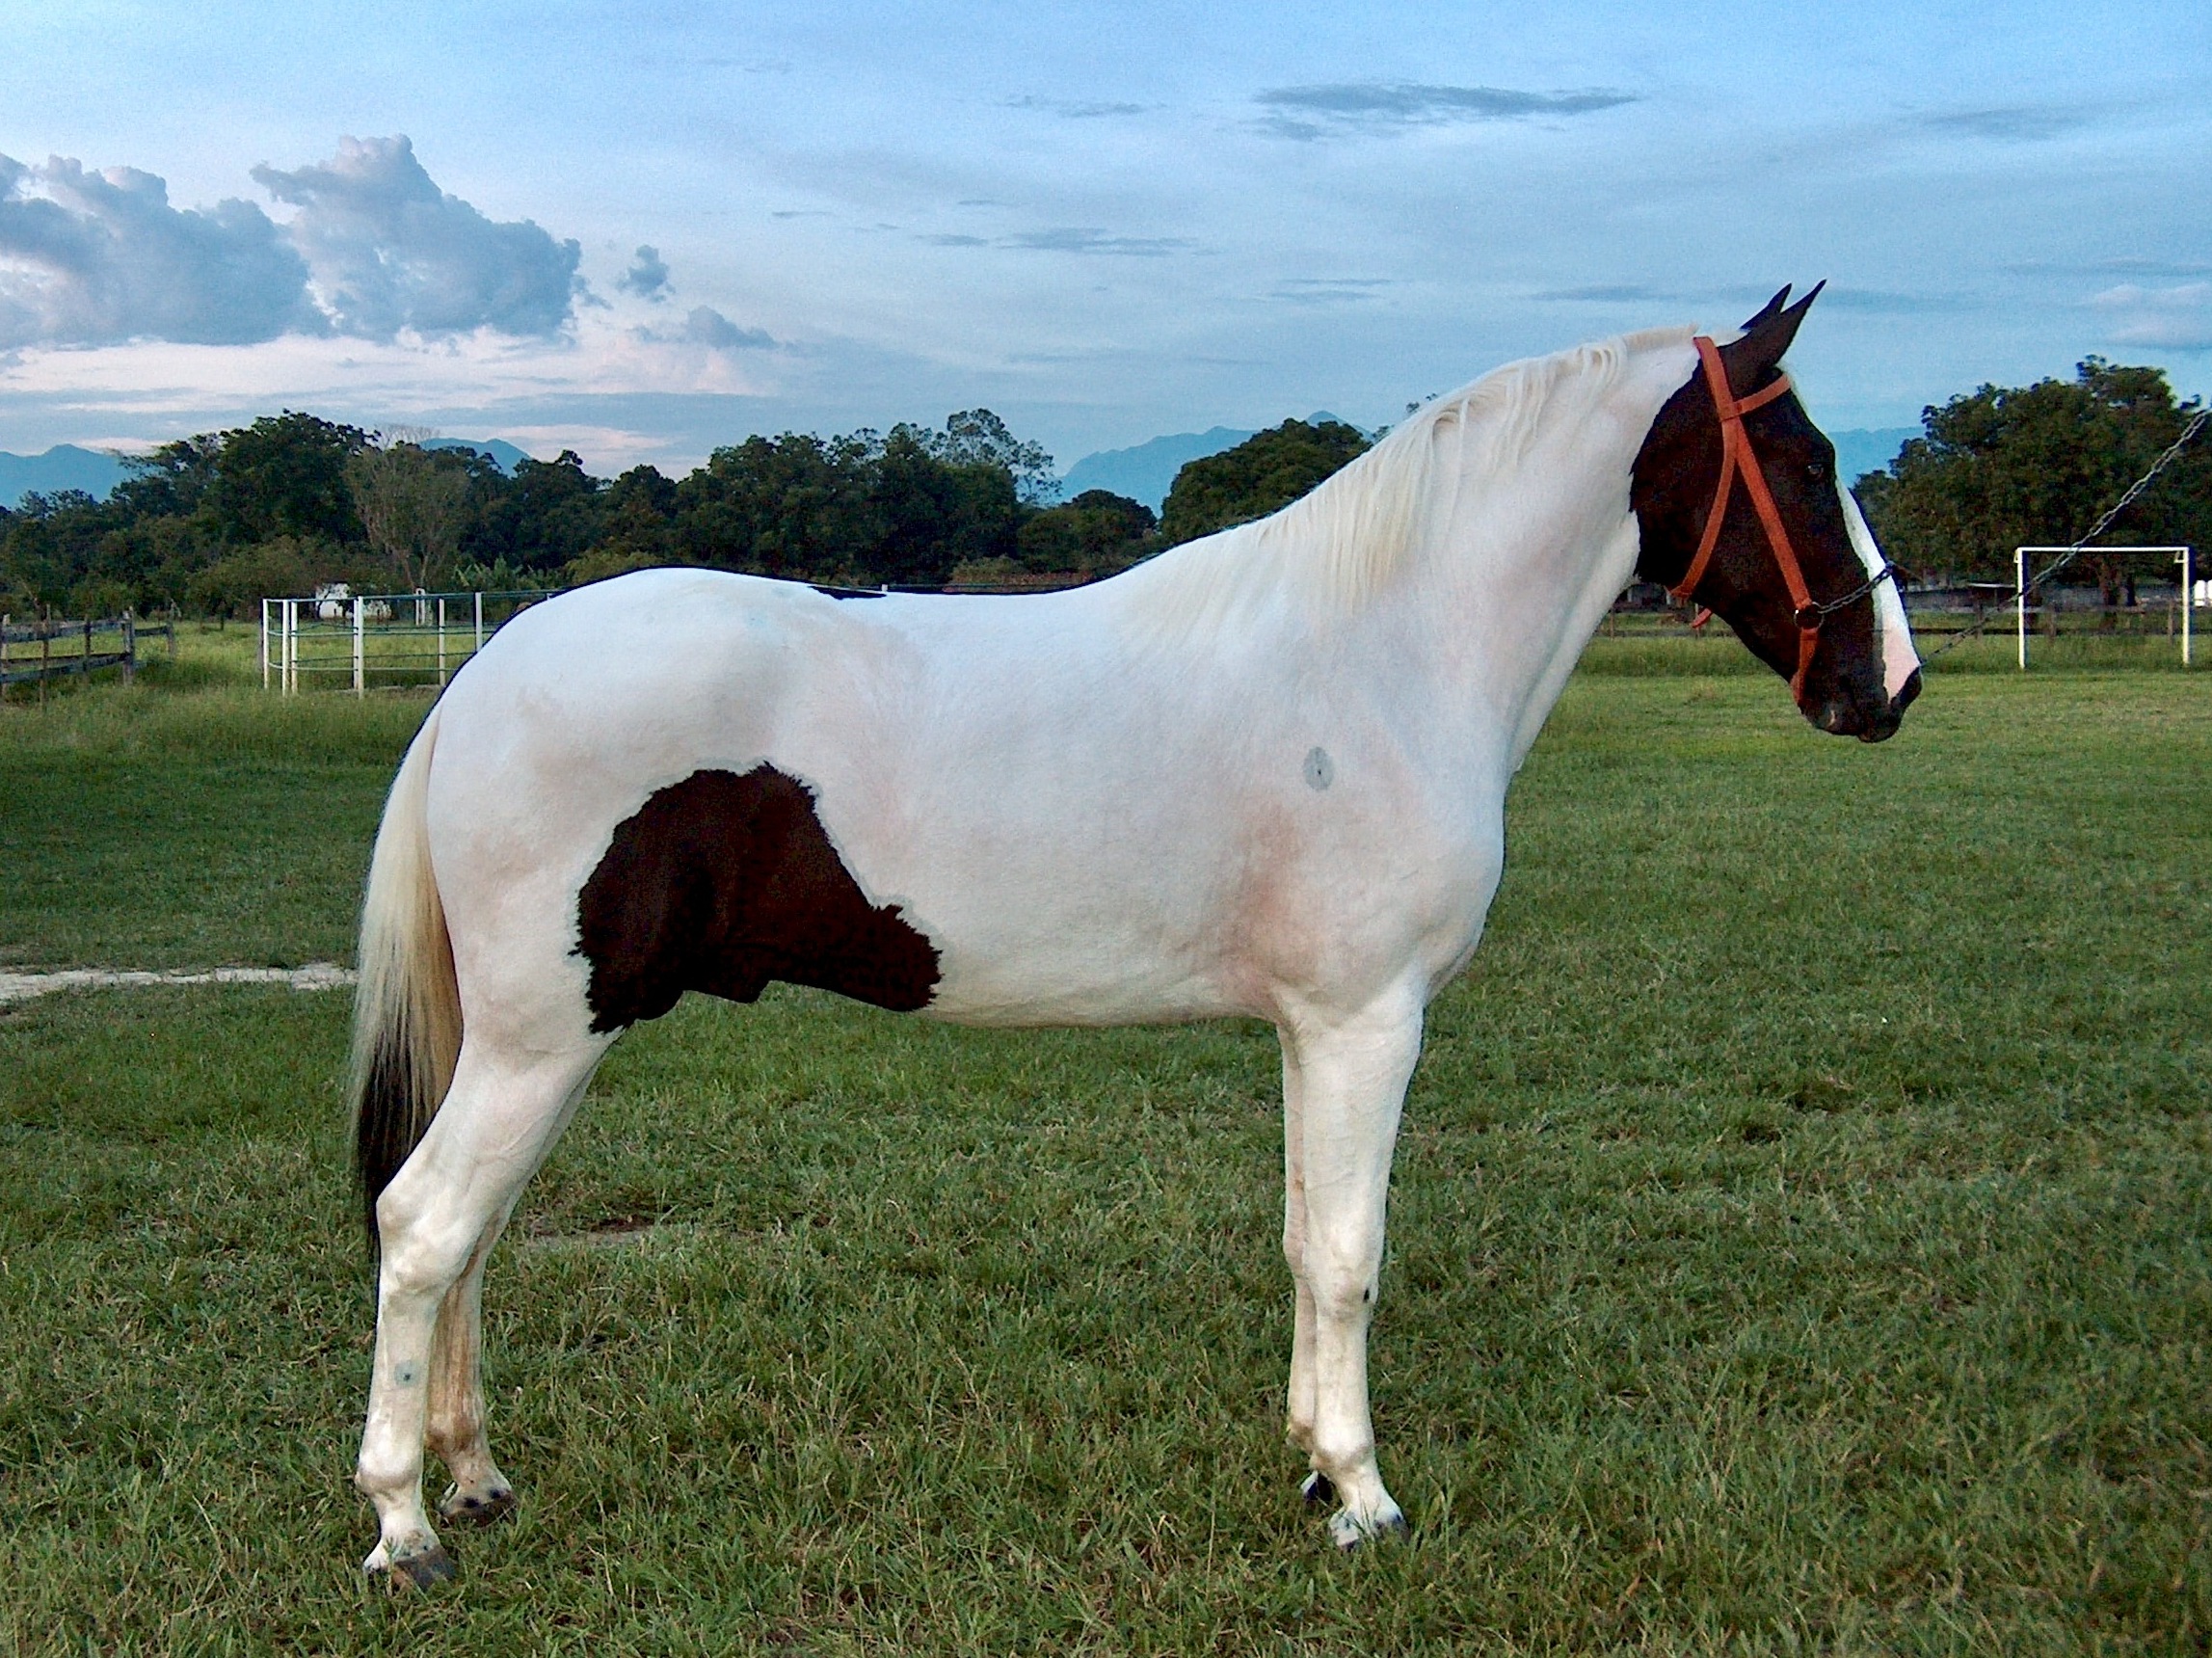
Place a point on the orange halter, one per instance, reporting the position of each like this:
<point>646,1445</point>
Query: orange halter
<point>1738,455</point>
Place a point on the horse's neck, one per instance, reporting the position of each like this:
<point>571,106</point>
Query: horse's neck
<point>1530,561</point>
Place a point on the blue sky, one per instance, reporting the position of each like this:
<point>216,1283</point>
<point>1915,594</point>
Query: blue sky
<point>1104,221</point>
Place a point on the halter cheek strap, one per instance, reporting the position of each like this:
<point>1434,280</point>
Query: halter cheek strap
<point>1738,456</point>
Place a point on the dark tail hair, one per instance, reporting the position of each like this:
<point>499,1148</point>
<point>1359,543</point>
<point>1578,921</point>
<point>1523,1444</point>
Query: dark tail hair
<point>406,1009</point>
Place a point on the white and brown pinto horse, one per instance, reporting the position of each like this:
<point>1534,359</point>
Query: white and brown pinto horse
<point>1261,775</point>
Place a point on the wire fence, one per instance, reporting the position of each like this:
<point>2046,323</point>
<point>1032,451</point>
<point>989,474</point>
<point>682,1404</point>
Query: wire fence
<point>360,642</point>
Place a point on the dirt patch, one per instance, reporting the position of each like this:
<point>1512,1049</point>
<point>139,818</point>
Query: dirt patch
<point>316,976</point>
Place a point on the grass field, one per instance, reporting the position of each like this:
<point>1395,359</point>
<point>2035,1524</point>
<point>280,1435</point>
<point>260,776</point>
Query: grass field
<point>1801,1240</point>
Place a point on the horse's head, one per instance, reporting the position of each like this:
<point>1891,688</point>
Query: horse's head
<point>1741,511</point>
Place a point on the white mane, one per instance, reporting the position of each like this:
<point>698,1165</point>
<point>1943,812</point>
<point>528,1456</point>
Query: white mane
<point>1336,548</point>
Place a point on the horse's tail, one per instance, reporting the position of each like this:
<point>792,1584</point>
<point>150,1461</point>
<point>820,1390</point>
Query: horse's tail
<point>407,1010</point>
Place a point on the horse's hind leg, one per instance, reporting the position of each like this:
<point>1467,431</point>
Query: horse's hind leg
<point>480,1493</point>
<point>435,1219</point>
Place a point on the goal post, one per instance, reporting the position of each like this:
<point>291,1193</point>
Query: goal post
<point>2023,577</point>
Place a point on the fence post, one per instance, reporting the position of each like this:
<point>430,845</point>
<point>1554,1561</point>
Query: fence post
<point>46,652</point>
<point>291,649</point>
<point>2188,585</point>
<point>3,658</point>
<point>442,638</point>
<point>130,646</point>
<point>85,658</point>
<point>479,623</point>
<point>264,644</point>
<point>361,662</point>
<point>2020,575</point>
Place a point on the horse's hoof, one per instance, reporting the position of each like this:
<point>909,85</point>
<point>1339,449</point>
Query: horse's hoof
<point>422,1568</point>
<point>469,1508</point>
<point>1349,1533</point>
<point>1317,1492</point>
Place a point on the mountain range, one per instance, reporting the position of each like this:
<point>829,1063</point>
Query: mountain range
<point>96,471</point>
<point>1146,471</point>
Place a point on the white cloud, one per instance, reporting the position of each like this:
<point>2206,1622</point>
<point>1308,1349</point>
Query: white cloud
<point>376,249</point>
<point>91,258</point>
<point>2177,318</point>
<point>388,251</point>
<point>165,387</point>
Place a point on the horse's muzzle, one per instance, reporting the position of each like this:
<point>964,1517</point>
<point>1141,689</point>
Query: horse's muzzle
<point>1884,726</point>
<point>1870,719</point>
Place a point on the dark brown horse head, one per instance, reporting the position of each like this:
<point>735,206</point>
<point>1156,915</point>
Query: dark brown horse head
<point>1803,585</point>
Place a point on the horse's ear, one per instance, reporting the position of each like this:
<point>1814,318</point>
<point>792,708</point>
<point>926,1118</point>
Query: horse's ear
<point>1766,337</point>
<point>1767,311</point>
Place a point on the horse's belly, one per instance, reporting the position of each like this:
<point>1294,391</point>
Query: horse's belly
<point>1075,969</point>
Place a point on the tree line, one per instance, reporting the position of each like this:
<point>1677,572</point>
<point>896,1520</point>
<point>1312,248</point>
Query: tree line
<point>215,523</point>
<point>2007,466</point>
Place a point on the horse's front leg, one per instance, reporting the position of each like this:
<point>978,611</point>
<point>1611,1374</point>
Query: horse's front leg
<point>1345,1085</point>
<point>1302,1400</point>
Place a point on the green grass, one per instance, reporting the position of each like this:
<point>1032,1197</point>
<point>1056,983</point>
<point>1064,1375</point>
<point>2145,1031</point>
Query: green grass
<point>1801,1240</point>
<point>190,820</point>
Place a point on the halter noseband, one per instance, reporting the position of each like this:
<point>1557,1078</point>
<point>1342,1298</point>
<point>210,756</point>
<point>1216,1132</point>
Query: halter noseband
<point>1738,455</point>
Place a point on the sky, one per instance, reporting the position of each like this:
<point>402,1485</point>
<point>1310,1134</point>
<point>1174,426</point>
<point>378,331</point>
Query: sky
<point>640,230</point>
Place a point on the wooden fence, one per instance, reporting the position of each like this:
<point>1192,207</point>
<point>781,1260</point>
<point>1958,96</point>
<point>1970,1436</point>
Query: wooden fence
<point>49,647</point>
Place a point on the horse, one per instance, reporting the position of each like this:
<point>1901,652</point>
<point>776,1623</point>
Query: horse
<point>1261,774</point>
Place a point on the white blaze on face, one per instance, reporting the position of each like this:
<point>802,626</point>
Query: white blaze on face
<point>1892,632</point>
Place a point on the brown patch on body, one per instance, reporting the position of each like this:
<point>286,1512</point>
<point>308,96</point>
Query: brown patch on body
<point>722,883</point>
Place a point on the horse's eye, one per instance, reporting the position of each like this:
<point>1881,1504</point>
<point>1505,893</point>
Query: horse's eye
<point>1816,470</point>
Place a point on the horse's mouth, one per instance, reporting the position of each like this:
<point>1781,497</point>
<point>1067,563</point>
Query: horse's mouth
<point>1884,725</point>
<point>1869,722</point>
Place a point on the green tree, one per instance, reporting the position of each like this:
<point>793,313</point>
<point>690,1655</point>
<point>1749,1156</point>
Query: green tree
<point>236,584</point>
<point>283,475</point>
<point>543,516</point>
<point>52,551</point>
<point>413,504</point>
<point>794,505</point>
<point>1096,534</point>
<point>170,481</point>
<point>940,504</point>
<point>1267,472</point>
<point>2008,467</point>
<point>978,437</point>
<point>637,526</point>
